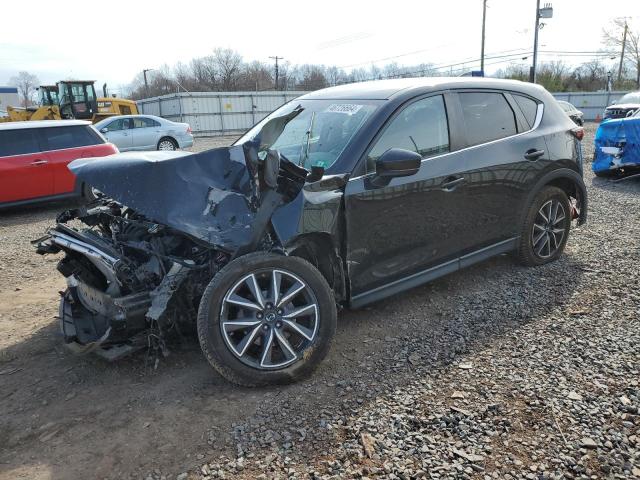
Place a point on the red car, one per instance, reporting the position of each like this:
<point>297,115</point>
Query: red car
<point>34,158</point>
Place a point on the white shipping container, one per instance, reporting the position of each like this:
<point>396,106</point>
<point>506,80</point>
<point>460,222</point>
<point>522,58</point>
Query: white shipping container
<point>216,113</point>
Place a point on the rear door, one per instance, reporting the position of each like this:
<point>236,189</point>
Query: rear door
<point>145,133</point>
<point>25,171</point>
<point>505,154</point>
<point>119,133</point>
<point>65,144</point>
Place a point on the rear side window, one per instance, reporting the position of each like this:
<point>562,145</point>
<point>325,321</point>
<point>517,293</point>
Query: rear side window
<point>21,141</point>
<point>144,123</point>
<point>421,127</point>
<point>487,116</point>
<point>529,108</point>
<point>59,138</point>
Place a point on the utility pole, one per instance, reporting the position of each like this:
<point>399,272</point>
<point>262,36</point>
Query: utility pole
<point>545,12</point>
<point>484,18</point>
<point>624,42</point>
<point>276,58</point>
<point>146,84</point>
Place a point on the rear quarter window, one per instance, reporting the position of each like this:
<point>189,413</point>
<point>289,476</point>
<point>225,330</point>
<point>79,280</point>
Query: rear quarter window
<point>529,108</point>
<point>58,138</point>
<point>21,141</point>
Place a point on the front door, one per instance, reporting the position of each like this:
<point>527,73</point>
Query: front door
<point>119,132</point>
<point>412,223</point>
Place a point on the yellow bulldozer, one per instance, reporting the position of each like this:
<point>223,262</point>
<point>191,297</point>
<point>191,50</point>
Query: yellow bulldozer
<point>72,99</point>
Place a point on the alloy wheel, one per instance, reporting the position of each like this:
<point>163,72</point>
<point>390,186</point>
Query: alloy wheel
<point>269,318</point>
<point>166,145</point>
<point>549,228</point>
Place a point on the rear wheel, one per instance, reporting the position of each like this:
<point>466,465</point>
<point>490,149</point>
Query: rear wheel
<point>167,144</point>
<point>546,228</point>
<point>266,319</point>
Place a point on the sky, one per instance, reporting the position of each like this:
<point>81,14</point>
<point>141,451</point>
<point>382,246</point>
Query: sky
<point>112,41</point>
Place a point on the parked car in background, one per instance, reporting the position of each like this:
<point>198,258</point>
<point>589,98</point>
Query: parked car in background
<point>624,107</point>
<point>145,132</point>
<point>34,156</point>
<point>572,112</point>
<point>617,147</point>
<point>344,196</point>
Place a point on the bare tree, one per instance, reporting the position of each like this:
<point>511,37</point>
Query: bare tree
<point>614,36</point>
<point>27,84</point>
<point>228,63</point>
<point>256,76</point>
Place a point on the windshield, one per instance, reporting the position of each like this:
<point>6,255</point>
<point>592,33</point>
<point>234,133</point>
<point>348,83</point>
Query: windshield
<point>633,97</point>
<point>317,135</point>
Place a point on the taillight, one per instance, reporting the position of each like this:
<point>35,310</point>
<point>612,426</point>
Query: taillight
<point>188,128</point>
<point>578,132</point>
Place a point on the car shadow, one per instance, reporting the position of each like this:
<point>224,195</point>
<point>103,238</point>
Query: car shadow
<point>143,413</point>
<point>629,184</point>
<point>28,214</point>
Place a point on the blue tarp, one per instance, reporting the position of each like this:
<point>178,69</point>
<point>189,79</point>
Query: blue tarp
<point>617,145</point>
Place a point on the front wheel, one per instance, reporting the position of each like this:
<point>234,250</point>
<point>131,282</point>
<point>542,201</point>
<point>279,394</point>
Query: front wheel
<point>546,228</point>
<point>266,319</point>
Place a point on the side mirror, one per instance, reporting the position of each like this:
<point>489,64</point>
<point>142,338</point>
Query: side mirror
<point>397,162</point>
<point>104,130</point>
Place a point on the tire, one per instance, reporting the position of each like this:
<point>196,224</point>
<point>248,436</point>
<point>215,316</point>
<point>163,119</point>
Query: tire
<point>246,363</point>
<point>531,248</point>
<point>167,143</point>
<point>87,193</point>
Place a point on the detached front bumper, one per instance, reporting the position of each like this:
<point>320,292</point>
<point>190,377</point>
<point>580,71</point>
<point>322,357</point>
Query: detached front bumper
<point>93,321</point>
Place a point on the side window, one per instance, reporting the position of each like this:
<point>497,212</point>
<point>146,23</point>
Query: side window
<point>114,126</point>
<point>59,138</point>
<point>144,123</point>
<point>421,127</point>
<point>20,141</point>
<point>529,108</point>
<point>487,116</point>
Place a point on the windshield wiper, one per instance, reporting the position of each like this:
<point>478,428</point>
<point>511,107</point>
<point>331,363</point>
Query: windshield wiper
<point>304,154</point>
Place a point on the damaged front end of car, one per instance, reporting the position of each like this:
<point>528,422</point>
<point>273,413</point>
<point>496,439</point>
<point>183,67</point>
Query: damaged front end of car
<point>138,259</point>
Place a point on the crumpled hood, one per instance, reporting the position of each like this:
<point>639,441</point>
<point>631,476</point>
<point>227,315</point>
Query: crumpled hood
<point>207,195</point>
<point>617,144</point>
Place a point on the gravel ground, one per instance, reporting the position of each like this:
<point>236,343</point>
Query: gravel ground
<point>498,371</point>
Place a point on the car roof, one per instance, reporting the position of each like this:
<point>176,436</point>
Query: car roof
<point>134,115</point>
<point>387,89</point>
<point>42,124</point>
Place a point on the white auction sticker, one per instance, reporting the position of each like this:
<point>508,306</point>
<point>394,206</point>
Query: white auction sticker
<point>348,108</point>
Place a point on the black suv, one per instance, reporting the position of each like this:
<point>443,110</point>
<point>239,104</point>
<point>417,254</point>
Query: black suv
<point>339,198</point>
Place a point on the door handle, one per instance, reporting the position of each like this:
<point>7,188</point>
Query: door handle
<point>450,183</point>
<point>39,162</point>
<point>533,154</point>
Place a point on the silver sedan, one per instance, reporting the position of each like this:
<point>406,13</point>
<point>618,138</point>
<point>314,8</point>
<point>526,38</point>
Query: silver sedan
<point>145,132</point>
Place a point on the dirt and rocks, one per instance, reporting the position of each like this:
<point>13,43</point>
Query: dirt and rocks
<point>498,371</point>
